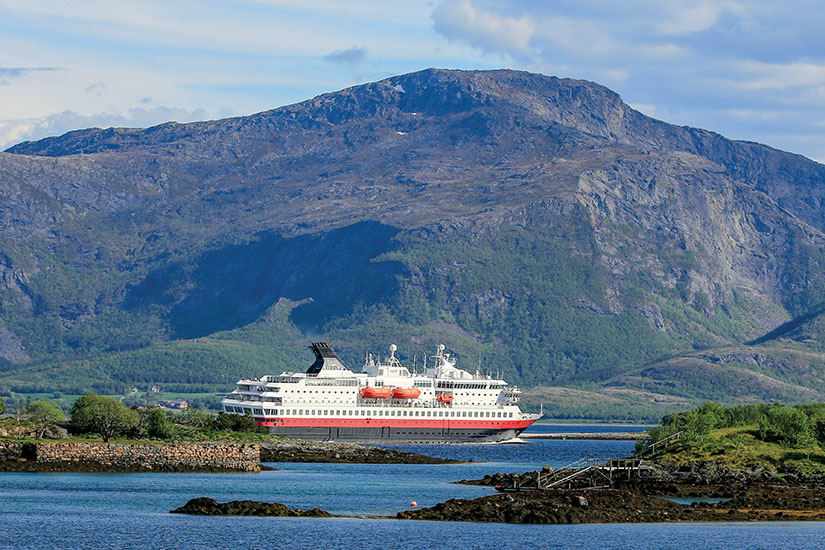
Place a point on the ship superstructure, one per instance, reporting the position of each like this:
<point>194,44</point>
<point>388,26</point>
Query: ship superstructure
<point>384,402</point>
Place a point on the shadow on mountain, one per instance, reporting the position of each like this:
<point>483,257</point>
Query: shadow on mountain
<point>786,328</point>
<point>232,286</point>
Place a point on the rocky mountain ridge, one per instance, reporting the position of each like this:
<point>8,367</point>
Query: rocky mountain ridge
<point>514,216</point>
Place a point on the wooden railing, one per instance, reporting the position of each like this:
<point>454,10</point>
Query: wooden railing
<point>662,443</point>
<point>604,469</point>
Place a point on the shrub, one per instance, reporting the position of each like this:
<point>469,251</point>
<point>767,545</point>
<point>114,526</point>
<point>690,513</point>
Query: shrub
<point>237,423</point>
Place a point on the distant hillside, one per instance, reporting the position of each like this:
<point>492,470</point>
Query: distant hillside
<point>536,225</point>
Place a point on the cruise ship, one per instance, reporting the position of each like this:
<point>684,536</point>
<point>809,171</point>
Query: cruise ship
<point>385,402</point>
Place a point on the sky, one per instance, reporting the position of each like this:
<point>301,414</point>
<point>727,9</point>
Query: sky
<point>751,70</point>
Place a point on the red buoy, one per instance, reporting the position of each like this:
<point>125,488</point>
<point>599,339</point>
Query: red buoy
<point>413,504</point>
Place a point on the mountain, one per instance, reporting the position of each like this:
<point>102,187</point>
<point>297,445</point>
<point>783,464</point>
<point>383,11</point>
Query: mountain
<point>537,226</point>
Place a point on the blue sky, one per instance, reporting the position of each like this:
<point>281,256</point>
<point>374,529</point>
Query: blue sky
<point>748,69</point>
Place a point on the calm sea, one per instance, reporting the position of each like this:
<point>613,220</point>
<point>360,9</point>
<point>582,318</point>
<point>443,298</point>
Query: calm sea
<point>99,511</point>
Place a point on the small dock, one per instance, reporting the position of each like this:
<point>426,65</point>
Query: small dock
<point>602,436</point>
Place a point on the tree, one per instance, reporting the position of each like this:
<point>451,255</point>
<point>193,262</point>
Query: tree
<point>789,426</point>
<point>158,424</point>
<point>193,417</point>
<point>103,415</point>
<point>2,406</point>
<point>44,415</point>
<point>700,422</point>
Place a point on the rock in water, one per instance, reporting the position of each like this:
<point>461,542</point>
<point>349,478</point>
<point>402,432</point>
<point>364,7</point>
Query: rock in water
<point>204,506</point>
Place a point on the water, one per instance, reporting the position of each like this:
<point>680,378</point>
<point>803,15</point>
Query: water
<point>99,511</point>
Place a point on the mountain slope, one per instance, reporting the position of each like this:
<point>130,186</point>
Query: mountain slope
<point>537,224</point>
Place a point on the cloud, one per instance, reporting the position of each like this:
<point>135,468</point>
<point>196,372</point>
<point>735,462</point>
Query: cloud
<point>9,73</point>
<point>97,88</point>
<point>781,76</point>
<point>16,131</point>
<point>351,56</point>
<point>686,19</point>
<point>489,31</point>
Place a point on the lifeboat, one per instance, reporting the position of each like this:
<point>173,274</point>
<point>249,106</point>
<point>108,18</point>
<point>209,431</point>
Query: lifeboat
<point>375,393</point>
<point>444,398</point>
<point>406,393</point>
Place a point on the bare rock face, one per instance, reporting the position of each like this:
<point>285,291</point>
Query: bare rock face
<point>511,214</point>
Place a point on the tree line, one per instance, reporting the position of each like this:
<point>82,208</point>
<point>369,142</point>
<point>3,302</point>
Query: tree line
<point>787,425</point>
<point>108,418</point>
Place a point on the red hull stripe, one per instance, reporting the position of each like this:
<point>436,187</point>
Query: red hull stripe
<point>396,423</point>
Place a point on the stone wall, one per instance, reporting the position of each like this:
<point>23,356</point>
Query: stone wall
<point>144,457</point>
<point>11,449</point>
